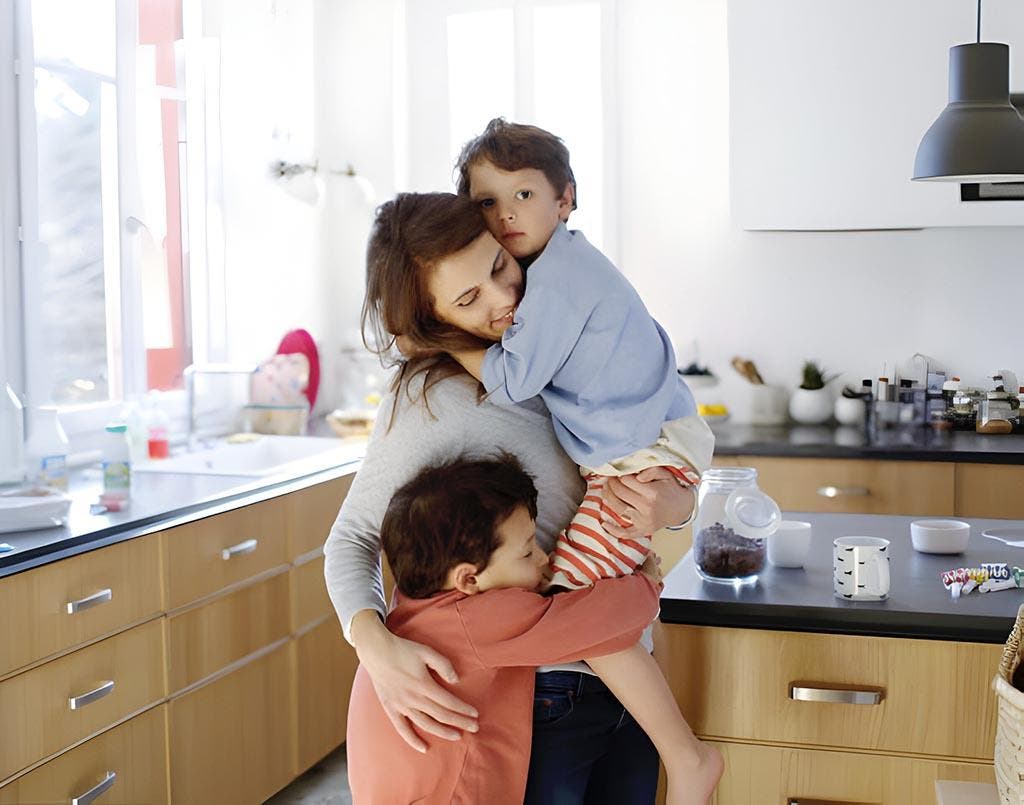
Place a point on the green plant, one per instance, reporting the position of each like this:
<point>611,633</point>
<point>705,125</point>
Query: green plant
<point>815,377</point>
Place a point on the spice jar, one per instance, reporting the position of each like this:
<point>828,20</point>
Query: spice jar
<point>734,518</point>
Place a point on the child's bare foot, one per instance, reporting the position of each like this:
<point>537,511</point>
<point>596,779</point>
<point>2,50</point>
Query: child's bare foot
<point>694,785</point>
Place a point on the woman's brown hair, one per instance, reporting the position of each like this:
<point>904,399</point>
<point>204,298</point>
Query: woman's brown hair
<point>411,234</point>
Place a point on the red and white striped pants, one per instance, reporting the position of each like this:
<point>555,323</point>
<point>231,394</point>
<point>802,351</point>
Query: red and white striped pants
<point>585,552</point>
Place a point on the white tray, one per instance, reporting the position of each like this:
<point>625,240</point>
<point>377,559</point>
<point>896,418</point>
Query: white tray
<point>26,509</point>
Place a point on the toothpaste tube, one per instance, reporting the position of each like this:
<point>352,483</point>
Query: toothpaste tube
<point>953,580</point>
<point>994,585</point>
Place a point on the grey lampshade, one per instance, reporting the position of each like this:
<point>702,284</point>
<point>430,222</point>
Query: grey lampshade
<point>979,136</point>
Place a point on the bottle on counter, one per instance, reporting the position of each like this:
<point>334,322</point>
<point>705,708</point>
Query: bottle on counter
<point>117,468</point>
<point>12,437</point>
<point>158,428</point>
<point>46,451</point>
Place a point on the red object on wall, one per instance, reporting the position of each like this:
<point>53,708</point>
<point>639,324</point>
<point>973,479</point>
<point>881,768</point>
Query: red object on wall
<point>300,341</point>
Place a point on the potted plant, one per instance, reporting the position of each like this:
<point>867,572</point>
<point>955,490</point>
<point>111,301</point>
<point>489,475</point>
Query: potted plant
<point>811,403</point>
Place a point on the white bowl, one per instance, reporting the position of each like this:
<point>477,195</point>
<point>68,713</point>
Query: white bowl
<point>939,536</point>
<point>789,545</point>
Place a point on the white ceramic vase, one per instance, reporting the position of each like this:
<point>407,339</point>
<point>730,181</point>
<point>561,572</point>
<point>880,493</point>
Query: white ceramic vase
<point>810,406</point>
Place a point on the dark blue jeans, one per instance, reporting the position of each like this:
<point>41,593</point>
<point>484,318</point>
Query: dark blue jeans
<point>586,747</point>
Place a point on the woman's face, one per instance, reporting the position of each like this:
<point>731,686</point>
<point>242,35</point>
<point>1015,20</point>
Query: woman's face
<point>477,289</point>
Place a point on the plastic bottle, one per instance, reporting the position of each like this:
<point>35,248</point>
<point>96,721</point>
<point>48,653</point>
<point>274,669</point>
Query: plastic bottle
<point>134,416</point>
<point>158,428</point>
<point>46,451</point>
<point>12,437</point>
<point>117,467</point>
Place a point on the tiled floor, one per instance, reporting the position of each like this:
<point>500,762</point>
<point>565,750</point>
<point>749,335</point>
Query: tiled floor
<point>324,784</point>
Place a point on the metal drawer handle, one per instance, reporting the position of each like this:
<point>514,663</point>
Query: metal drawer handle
<point>90,796</point>
<point>802,801</point>
<point>78,702</point>
<point>237,550</point>
<point>843,491</point>
<point>90,601</point>
<point>835,696</point>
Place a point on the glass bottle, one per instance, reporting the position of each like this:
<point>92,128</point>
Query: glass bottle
<point>734,518</point>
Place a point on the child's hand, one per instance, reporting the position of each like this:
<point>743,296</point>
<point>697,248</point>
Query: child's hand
<point>652,568</point>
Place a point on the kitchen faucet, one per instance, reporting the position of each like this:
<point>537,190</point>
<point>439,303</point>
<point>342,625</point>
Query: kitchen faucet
<point>190,389</point>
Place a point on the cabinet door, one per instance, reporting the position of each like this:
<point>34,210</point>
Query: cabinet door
<point>934,697</point>
<point>770,775</point>
<point>313,512</point>
<point>857,486</point>
<point>990,490</point>
<point>326,667</point>
<point>310,601</point>
<point>129,764</point>
<point>233,740</point>
<point>66,603</point>
<point>828,104</point>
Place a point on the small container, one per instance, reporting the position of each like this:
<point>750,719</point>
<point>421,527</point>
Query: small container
<point>46,451</point>
<point>734,518</point>
<point>158,433</point>
<point>117,465</point>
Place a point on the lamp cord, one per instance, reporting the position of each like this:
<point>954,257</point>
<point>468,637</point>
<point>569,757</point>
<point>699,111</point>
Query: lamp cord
<point>979,21</point>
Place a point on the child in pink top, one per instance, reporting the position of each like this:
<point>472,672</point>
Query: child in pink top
<point>461,543</point>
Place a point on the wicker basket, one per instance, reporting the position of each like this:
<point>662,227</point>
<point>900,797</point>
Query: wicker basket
<point>1009,749</point>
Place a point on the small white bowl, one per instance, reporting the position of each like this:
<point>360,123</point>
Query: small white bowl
<point>789,545</point>
<point>939,536</point>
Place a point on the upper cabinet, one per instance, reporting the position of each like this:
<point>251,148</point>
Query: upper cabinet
<point>829,101</point>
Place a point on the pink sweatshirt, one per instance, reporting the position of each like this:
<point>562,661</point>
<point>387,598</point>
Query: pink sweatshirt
<point>495,640</point>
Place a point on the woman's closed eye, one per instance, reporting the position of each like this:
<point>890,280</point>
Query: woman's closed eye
<point>466,300</point>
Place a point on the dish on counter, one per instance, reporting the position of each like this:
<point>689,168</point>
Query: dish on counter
<point>940,536</point>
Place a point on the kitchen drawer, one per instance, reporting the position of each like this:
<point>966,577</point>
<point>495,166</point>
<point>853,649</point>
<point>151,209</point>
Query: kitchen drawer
<point>129,762</point>
<point>313,512</point>
<point>205,556</point>
<point>326,667</point>
<point>990,490</point>
<point>856,486</point>
<point>38,718</point>
<point>206,638</point>
<point>233,740</point>
<point>771,775</point>
<point>107,589</point>
<point>309,593</point>
<point>935,696</point>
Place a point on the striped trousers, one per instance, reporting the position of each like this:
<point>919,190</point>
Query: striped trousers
<point>585,552</point>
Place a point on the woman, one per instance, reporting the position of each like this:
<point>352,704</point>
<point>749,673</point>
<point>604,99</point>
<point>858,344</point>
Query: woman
<point>434,411</point>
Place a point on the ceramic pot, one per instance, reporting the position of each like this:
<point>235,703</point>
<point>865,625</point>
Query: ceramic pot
<point>810,406</point>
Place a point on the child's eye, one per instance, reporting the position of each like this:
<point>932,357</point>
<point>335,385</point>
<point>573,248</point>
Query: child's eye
<point>499,266</point>
<point>523,195</point>
<point>487,203</point>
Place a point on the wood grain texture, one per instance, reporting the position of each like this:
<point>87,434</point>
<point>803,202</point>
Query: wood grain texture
<point>233,740</point>
<point>326,666</point>
<point>207,638</point>
<point>989,490</point>
<point>192,552</point>
<point>312,512</point>
<point>895,487</point>
<point>309,593</point>
<point>37,720</point>
<point>34,620</point>
<point>734,683</point>
<point>135,750</point>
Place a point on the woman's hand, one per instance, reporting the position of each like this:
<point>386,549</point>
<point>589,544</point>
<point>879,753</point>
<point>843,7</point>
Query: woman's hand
<point>649,500</point>
<point>400,672</point>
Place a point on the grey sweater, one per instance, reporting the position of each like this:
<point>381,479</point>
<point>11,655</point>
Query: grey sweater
<point>455,423</point>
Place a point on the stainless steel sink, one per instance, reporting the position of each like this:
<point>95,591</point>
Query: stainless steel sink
<point>267,455</point>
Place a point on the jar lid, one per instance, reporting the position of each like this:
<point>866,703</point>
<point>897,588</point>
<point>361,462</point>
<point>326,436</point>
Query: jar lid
<point>116,428</point>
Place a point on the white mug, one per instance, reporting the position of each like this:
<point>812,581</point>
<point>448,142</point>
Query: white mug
<point>788,546</point>
<point>860,568</point>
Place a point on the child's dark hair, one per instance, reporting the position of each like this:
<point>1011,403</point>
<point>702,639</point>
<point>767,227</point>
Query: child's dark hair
<point>515,146</point>
<point>450,514</point>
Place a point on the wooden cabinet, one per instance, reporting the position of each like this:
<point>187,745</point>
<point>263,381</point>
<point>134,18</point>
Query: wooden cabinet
<point>990,490</point>
<point>212,654</point>
<point>233,740</point>
<point>895,714</point>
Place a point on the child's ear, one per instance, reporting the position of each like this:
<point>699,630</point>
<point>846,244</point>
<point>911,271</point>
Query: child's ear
<point>464,578</point>
<point>565,202</point>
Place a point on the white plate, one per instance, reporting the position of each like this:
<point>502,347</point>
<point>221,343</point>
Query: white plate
<point>1009,535</point>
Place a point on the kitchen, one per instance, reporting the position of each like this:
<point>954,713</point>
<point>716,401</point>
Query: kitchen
<point>778,207</point>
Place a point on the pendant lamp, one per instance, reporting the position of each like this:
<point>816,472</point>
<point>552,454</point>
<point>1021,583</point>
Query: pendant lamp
<point>979,136</point>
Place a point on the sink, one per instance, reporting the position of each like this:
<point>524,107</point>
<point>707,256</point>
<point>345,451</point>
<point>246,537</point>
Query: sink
<point>267,455</point>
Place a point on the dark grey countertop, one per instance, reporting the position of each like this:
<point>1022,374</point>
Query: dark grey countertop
<point>159,501</point>
<point>903,444</point>
<point>802,599</point>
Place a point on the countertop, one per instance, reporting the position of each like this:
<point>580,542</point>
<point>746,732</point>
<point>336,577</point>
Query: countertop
<point>903,444</point>
<point>802,599</point>
<point>158,501</point>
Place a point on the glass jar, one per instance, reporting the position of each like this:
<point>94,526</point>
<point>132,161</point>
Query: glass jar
<point>734,518</point>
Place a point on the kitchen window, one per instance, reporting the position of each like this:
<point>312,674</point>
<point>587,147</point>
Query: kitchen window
<point>101,298</point>
<point>547,62</point>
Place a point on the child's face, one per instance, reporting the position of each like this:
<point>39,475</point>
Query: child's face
<point>477,289</point>
<point>519,562</point>
<point>521,207</point>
